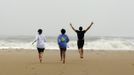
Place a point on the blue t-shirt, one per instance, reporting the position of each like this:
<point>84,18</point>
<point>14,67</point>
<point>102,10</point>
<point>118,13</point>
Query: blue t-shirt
<point>62,40</point>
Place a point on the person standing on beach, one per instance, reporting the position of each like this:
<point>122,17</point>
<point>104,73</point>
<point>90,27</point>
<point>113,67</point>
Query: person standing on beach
<point>40,39</point>
<point>80,36</point>
<point>62,42</point>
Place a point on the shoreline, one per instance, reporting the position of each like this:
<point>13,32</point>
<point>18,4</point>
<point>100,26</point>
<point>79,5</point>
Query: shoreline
<point>73,49</point>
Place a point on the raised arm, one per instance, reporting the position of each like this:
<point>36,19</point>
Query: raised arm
<point>72,27</point>
<point>89,26</point>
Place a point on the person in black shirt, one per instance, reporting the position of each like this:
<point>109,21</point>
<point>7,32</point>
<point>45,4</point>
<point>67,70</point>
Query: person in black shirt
<point>80,35</point>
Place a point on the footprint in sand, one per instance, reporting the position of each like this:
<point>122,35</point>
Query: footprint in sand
<point>30,67</point>
<point>33,68</point>
<point>61,73</point>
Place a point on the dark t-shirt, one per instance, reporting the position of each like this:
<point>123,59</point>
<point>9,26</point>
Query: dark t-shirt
<point>80,34</point>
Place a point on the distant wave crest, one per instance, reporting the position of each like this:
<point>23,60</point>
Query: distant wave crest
<point>98,44</point>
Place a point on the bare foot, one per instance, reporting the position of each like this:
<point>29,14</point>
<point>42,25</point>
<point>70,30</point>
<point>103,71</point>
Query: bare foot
<point>81,57</point>
<point>63,61</point>
<point>40,60</point>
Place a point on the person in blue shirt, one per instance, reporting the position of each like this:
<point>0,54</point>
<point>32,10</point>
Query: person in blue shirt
<point>62,42</point>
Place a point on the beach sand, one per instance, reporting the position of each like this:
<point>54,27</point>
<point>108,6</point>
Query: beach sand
<point>25,62</point>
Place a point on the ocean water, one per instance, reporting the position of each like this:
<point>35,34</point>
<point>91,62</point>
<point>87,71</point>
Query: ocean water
<point>91,43</point>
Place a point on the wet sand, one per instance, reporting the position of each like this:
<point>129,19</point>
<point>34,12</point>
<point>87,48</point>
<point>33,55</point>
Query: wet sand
<point>25,62</point>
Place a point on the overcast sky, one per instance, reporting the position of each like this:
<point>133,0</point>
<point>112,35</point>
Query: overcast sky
<point>24,17</point>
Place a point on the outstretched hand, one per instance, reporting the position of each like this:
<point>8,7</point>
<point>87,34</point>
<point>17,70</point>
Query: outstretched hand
<point>71,24</point>
<point>89,26</point>
<point>92,23</point>
<point>32,43</point>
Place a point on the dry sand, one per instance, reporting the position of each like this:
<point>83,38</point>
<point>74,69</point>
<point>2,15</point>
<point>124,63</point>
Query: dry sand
<point>25,62</point>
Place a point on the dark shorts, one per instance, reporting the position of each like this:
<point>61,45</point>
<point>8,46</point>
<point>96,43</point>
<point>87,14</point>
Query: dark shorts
<point>80,43</point>
<point>40,50</point>
<point>63,49</point>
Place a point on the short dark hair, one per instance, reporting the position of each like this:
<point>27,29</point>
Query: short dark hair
<point>40,31</point>
<point>63,31</point>
<point>80,28</point>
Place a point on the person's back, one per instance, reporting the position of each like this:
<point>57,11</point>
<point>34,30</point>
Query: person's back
<point>80,34</point>
<point>63,40</point>
<point>40,41</point>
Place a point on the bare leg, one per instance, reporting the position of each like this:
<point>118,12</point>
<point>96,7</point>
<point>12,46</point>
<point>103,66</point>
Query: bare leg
<point>40,56</point>
<point>61,54</point>
<point>79,52</point>
<point>82,52</point>
<point>63,57</point>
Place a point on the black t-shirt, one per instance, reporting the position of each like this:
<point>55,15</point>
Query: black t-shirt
<point>80,34</point>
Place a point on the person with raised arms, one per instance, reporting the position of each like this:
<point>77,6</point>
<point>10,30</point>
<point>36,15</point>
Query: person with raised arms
<point>80,36</point>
